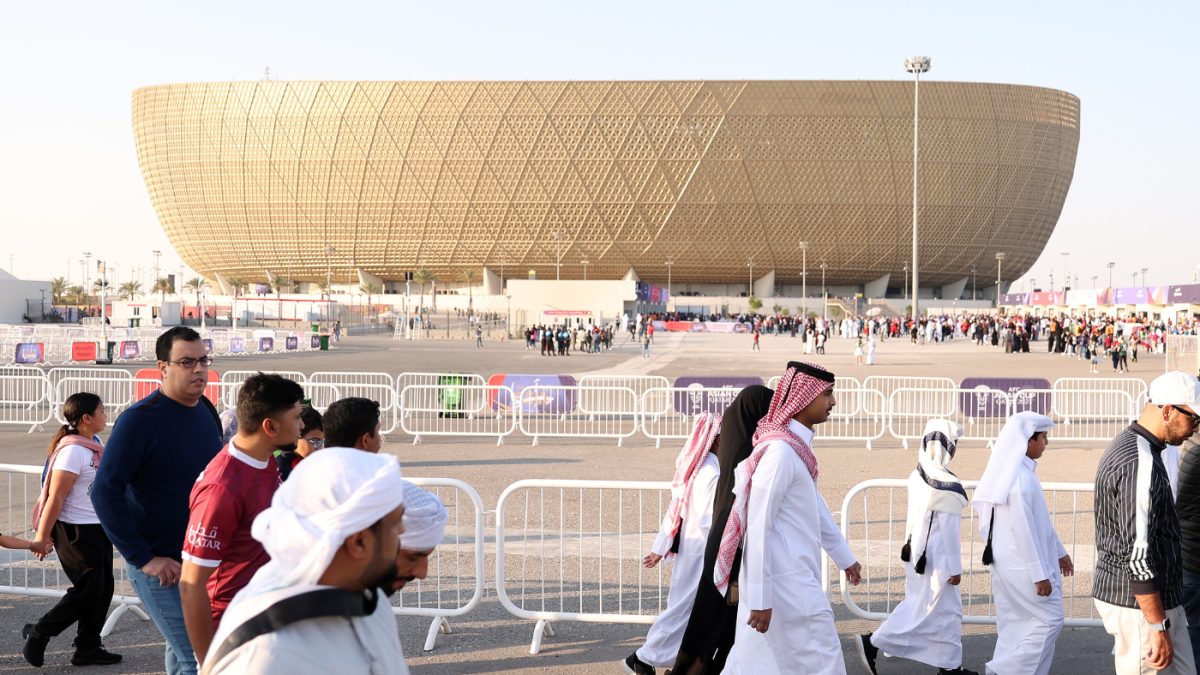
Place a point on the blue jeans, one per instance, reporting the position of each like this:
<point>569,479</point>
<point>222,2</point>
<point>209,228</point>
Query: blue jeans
<point>1191,607</point>
<point>165,608</point>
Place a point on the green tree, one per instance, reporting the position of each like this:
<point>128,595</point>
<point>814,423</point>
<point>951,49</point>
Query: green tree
<point>370,290</point>
<point>129,289</point>
<point>755,303</point>
<point>196,284</point>
<point>323,287</point>
<point>422,276</point>
<point>470,277</point>
<point>278,281</point>
<point>77,295</point>
<point>784,311</point>
<point>162,285</point>
<point>58,288</point>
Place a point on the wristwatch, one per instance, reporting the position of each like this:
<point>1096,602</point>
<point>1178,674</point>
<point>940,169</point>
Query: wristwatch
<point>1161,627</point>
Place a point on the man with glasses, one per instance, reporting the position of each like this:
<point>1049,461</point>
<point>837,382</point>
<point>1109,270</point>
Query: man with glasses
<point>1138,585</point>
<point>156,451</point>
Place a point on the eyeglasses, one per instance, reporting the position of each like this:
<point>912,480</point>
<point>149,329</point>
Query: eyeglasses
<point>190,363</point>
<point>317,443</point>
<point>1192,417</point>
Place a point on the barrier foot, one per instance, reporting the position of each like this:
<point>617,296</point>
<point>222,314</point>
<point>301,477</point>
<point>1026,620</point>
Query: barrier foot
<point>499,441</point>
<point>139,612</point>
<point>37,427</point>
<point>542,629</point>
<point>619,441</point>
<point>868,445</point>
<point>113,618</point>
<point>416,439</point>
<point>905,443</point>
<point>658,442</point>
<point>535,439</point>
<point>439,622</point>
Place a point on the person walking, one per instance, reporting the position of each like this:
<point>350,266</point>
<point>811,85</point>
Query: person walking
<point>156,451</point>
<point>756,347</point>
<point>645,345</point>
<point>66,521</point>
<point>1138,580</point>
<point>478,337</point>
<point>858,353</point>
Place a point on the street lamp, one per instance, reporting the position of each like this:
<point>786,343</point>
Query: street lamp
<point>999,260</point>
<point>1094,278</point>
<point>157,256</point>
<point>804,280</point>
<point>558,257</point>
<point>329,251</point>
<point>87,277</point>
<point>1111,265</point>
<point>1143,276</point>
<point>917,65</point>
<point>906,282</point>
<point>825,295</point>
<point>751,266</point>
<point>585,264</point>
<point>973,268</point>
<point>1066,277</point>
<point>670,263</point>
<point>502,261</point>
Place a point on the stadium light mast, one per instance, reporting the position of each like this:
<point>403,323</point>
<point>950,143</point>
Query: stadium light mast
<point>502,261</point>
<point>917,65</point>
<point>1066,277</point>
<point>1143,276</point>
<point>804,279</point>
<point>825,294</point>
<point>999,260</point>
<point>670,263</point>
<point>751,266</point>
<point>973,268</point>
<point>1111,265</point>
<point>585,264</point>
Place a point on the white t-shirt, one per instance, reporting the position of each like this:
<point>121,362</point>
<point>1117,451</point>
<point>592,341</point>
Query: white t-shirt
<point>77,507</point>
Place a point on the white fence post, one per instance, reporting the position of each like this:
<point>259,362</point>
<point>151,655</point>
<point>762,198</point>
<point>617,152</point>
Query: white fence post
<point>457,410</point>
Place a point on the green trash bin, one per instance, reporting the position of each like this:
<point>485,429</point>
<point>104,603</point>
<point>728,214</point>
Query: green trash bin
<point>324,343</point>
<point>450,394</point>
<point>316,328</point>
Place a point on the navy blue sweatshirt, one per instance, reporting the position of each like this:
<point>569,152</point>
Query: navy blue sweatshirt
<point>155,453</point>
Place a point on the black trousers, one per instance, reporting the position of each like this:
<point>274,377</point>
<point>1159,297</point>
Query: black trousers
<point>86,556</point>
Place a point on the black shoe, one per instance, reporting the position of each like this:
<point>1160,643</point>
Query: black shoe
<point>634,666</point>
<point>957,671</point>
<point>35,646</point>
<point>94,656</point>
<point>867,652</point>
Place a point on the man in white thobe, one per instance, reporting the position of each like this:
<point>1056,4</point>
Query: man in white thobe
<point>1026,554</point>
<point>785,622</point>
<point>871,350</point>
<point>927,625</point>
<point>697,472</point>
<point>320,606</point>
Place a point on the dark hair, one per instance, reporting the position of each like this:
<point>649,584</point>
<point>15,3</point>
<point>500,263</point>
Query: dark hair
<point>262,396</point>
<point>311,419</point>
<point>73,409</point>
<point>1036,434</point>
<point>162,348</point>
<point>348,419</point>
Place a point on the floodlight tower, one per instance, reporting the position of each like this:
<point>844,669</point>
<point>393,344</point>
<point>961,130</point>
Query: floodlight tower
<point>917,65</point>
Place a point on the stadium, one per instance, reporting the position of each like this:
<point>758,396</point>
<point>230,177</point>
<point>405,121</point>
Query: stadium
<point>701,183</point>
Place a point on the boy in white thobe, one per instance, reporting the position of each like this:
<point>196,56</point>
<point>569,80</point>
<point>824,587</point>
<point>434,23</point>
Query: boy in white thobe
<point>927,625</point>
<point>785,622</point>
<point>700,471</point>
<point>1026,553</point>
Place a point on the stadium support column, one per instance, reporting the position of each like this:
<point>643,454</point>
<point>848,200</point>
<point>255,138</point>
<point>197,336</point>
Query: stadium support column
<point>916,65</point>
<point>492,283</point>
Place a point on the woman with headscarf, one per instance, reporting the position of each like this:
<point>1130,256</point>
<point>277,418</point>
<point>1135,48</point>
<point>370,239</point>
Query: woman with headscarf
<point>1024,551</point>
<point>712,623</point>
<point>682,536</point>
<point>785,622</point>
<point>927,625</point>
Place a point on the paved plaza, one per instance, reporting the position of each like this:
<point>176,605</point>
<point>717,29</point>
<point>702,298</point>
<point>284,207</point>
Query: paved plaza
<point>490,640</point>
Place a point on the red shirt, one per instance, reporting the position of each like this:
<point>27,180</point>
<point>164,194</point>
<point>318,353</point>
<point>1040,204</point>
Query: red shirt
<point>230,492</point>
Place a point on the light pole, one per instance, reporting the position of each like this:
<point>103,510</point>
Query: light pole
<point>670,263</point>
<point>972,282</point>
<point>1143,276</point>
<point>87,277</point>
<point>1066,277</point>
<point>502,276</point>
<point>751,266</point>
<point>825,295</point>
<point>157,257</point>
<point>1094,278</point>
<point>1111,265</point>
<point>585,264</point>
<point>999,260</point>
<point>558,256</point>
<point>804,280</point>
<point>917,65</point>
<point>329,251</point>
<point>906,282</point>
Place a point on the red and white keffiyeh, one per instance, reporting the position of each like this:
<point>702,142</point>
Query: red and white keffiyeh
<point>800,385</point>
<point>705,431</point>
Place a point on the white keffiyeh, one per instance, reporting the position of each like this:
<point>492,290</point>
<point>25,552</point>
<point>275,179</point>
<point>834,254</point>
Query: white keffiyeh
<point>424,519</point>
<point>933,487</point>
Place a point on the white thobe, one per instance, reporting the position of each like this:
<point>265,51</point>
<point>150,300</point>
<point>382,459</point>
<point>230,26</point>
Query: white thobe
<point>871,352</point>
<point>665,636</point>
<point>1025,550</point>
<point>927,625</point>
<point>359,645</point>
<point>788,525</point>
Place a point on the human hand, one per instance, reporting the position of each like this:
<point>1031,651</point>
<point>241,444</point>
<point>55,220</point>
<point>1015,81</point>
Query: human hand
<point>853,574</point>
<point>1162,651</point>
<point>760,620</point>
<point>166,569</point>
<point>1044,588</point>
<point>651,560</point>
<point>1067,567</point>
<point>40,548</point>
<point>955,580</point>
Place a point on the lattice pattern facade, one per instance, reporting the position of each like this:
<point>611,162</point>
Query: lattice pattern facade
<point>254,176</point>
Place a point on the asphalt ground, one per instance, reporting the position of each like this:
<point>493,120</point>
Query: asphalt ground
<point>489,639</point>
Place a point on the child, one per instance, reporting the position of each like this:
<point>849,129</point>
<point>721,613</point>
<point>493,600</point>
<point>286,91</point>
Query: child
<point>927,625</point>
<point>22,545</point>
<point>1022,548</point>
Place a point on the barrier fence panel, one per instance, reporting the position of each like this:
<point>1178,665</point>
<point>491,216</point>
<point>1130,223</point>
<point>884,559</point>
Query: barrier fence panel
<point>638,383</point>
<point>1135,387</point>
<point>408,379</point>
<point>840,382</point>
<point>667,412</point>
<point>25,399</point>
<point>379,387</point>
<point>1081,415</point>
<point>21,573</point>
<point>456,577</point>
<point>115,392</point>
<point>232,379</point>
<point>555,411</point>
<point>886,384</point>
<point>1183,353</point>
<point>457,410</point>
<point>873,519</point>
<point>851,420</point>
<point>571,550</point>
<point>981,412</point>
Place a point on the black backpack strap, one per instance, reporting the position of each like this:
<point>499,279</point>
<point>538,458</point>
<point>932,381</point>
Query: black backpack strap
<point>313,605</point>
<point>212,410</point>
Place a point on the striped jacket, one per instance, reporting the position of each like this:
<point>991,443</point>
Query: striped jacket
<point>1137,529</point>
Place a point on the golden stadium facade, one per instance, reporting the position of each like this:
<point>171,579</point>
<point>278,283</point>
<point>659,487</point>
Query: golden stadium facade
<point>248,177</point>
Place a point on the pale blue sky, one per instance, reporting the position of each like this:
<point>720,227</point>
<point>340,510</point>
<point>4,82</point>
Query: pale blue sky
<point>69,179</point>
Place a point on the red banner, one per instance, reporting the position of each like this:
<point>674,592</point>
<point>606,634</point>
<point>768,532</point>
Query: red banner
<point>83,351</point>
<point>680,326</point>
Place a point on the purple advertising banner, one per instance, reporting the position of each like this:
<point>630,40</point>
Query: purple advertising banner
<point>1188,293</point>
<point>292,342</point>
<point>1131,295</point>
<point>530,397</point>
<point>981,403</point>
<point>208,345</point>
<point>266,344</point>
<point>29,352</point>
<point>315,343</point>
<point>694,402</point>
<point>131,349</point>
<point>727,327</point>
<point>237,345</point>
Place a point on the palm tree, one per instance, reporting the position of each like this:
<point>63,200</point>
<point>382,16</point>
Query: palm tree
<point>369,290</point>
<point>196,284</point>
<point>77,295</point>
<point>323,287</point>
<point>422,276</point>
<point>238,284</point>
<point>161,285</point>
<point>470,276</point>
<point>278,281</point>
<point>58,288</point>
<point>130,289</point>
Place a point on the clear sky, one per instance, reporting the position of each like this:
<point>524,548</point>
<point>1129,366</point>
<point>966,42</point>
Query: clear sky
<point>69,179</point>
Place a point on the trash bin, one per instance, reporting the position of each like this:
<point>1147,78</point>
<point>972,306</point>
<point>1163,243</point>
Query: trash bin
<point>316,328</point>
<point>324,343</point>
<point>106,355</point>
<point>450,394</point>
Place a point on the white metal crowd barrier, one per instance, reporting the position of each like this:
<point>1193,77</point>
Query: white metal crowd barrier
<point>25,399</point>
<point>428,379</point>
<point>668,412</point>
<point>116,392</point>
<point>1080,415</point>
<point>873,520</point>
<point>852,417</point>
<point>1135,387</point>
<point>557,411</point>
<point>981,412</point>
<point>457,410</point>
<point>21,573</point>
<point>576,547</point>
<point>638,383</point>
<point>457,574</point>
<point>887,384</point>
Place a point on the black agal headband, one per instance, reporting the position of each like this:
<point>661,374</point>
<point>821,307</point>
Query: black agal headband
<point>806,369</point>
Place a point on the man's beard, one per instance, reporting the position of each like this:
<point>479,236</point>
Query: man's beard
<point>386,580</point>
<point>290,447</point>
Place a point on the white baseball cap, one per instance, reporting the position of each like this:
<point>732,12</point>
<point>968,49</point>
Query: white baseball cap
<point>1175,388</point>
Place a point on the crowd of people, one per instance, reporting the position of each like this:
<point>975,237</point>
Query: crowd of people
<point>560,340</point>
